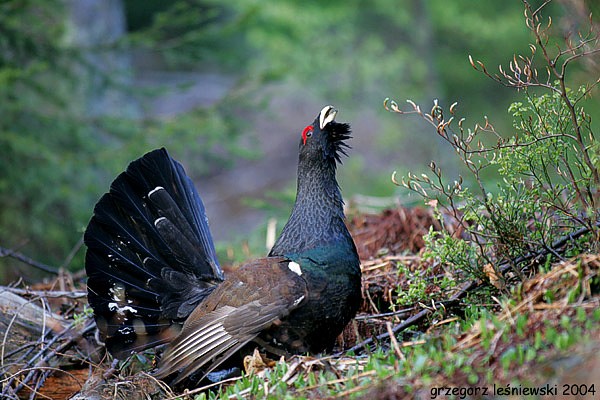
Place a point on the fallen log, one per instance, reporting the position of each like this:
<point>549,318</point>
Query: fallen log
<point>37,344</point>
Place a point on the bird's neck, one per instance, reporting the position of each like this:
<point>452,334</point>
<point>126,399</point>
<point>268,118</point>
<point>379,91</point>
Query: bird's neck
<point>318,215</point>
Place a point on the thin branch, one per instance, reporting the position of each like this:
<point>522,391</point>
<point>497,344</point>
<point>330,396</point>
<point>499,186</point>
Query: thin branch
<point>72,253</point>
<point>384,315</point>
<point>71,341</point>
<point>24,259</point>
<point>77,294</point>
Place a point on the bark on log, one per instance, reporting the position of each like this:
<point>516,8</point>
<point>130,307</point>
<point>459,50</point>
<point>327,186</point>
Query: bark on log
<point>41,353</point>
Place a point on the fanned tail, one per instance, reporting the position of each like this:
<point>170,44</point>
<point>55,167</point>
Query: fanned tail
<point>150,257</point>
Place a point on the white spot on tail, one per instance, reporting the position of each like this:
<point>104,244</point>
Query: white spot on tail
<point>156,189</point>
<point>295,268</point>
<point>117,292</point>
<point>121,310</point>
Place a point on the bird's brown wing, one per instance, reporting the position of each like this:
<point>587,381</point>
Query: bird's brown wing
<point>208,338</point>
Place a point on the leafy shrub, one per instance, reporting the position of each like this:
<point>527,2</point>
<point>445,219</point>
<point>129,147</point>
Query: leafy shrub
<point>546,201</point>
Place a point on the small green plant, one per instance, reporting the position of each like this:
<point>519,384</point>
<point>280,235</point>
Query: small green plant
<point>80,318</point>
<point>418,288</point>
<point>546,204</point>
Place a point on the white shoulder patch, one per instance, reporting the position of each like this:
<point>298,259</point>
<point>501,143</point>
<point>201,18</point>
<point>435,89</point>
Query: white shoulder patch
<point>295,268</point>
<point>298,300</point>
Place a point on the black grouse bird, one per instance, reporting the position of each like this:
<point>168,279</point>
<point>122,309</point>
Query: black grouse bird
<point>154,277</point>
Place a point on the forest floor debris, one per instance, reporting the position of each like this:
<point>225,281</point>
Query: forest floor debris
<point>543,331</point>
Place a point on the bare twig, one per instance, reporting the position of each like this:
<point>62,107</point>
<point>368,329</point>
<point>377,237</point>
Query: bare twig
<point>77,294</point>
<point>24,259</point>
<point>384,315</point>
<point>72,253</point>
<point>44,358</point>
<point>204,388</point>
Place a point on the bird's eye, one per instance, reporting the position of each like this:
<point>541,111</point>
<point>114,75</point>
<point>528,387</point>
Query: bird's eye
<point>306,133</point>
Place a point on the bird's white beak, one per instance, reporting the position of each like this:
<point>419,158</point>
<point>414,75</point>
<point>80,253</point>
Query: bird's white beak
<point>326,116</point>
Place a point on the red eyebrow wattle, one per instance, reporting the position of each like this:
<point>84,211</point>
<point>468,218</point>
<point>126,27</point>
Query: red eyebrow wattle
<point>309,128</point>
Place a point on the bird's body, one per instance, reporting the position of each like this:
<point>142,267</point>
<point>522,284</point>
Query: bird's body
<point>154,277</point>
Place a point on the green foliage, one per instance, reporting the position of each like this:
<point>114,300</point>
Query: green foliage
<point>416,288</point>
<point>42,146</point>
<point>451,251</point>
<point>59,152</point>
<point>80,318</point>
<point>546,169</point>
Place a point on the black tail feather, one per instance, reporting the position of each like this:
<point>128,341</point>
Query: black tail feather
<point>181,189</point>
<point>150,257</point>
<point>174,227</point>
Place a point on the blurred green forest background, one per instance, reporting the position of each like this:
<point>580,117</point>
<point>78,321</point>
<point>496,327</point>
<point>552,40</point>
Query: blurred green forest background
<point>87,86</point>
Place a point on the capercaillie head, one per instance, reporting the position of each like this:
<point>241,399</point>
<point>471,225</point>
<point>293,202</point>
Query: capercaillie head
<point>324,141</point>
